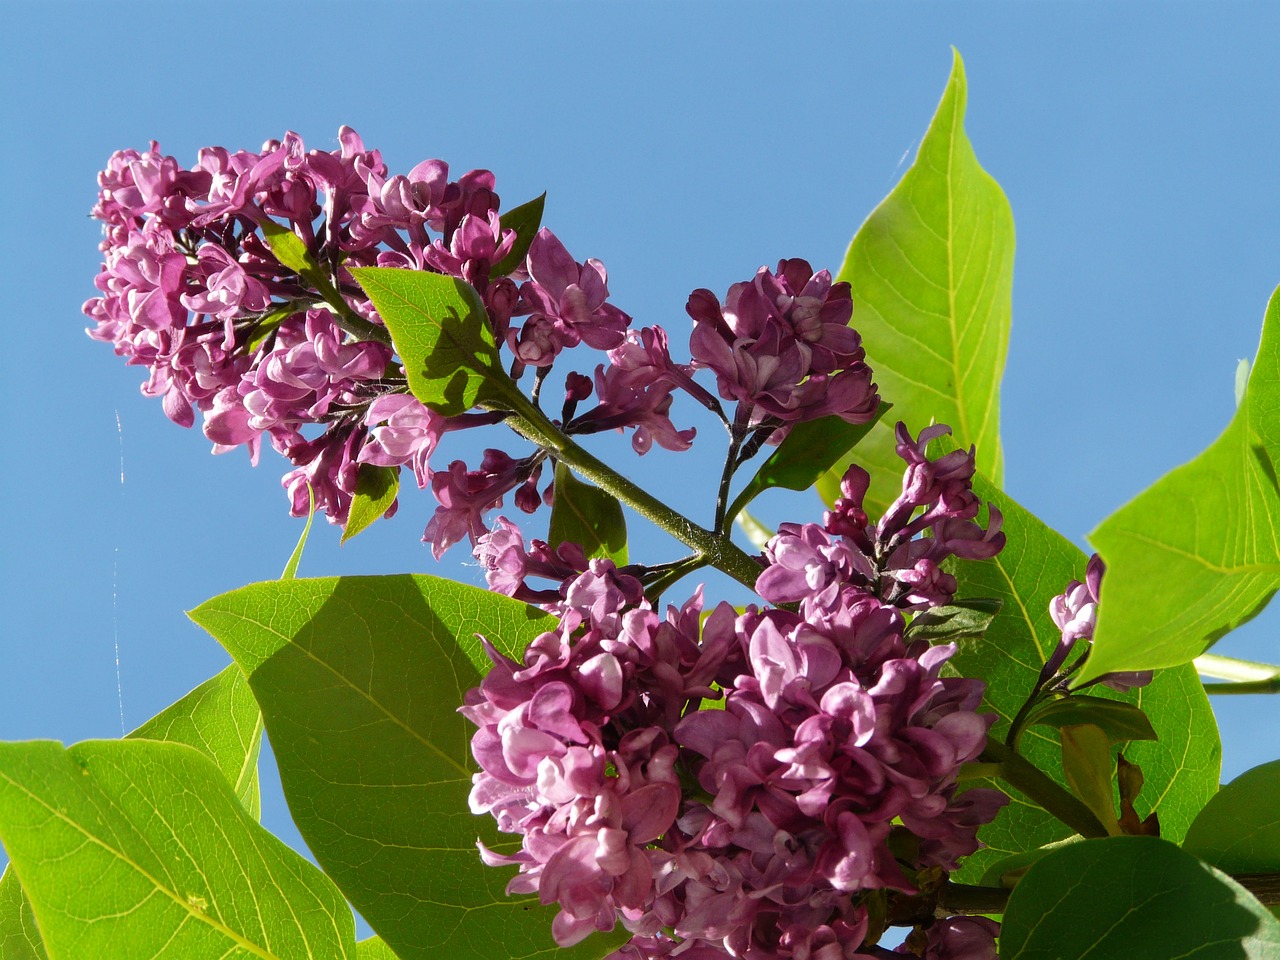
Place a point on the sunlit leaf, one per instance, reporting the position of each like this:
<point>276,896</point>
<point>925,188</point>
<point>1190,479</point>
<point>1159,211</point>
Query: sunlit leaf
<point>1181,767</point>
<point>1197,553</point>
<point>439,327</point>
<point>140,849</point>
<point>1239,828</point>
<point>295,558</point>
<point>932,273</point>
<point>376,489</point>
<point>1139,898</point>
<point>586,515</point>
<point>1087,764</point>
<point>524,220</point>
<point>221,719</point>
<point>359,679</point>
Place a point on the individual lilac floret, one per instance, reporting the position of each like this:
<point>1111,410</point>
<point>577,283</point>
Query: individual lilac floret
<point>782,347</point>
<point>635,391</point>
<point>812,564</point>
<point>1075,613</point>
<point>566,304</point>
<point>465,495</point>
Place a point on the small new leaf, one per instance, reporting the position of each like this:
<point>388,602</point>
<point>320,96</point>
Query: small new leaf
<point>1120,721</point>
<point>525,221</point>
<point>810,450</point>
<point>962,620</point>
<point>376,489</point>
<point>584,514</point>
<point>439,326</point>
<point>289,249</point>
<point>1086,761</point>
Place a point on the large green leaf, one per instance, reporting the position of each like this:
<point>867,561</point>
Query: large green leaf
<point>932,274</point>
<point>1239,828</point>
<point>374,948</point>
<point>359,679</point>
<point>441,331</point>
<point>1181,767</point>
<point>139,849</point>
<point>1139,898</point>
<point>586,515</point>
<point>19,935</point>
<point>1197,553</point>
<point>221,719</point>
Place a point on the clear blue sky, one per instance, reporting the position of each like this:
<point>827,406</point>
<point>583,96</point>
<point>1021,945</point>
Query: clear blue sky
<point>682,143</point>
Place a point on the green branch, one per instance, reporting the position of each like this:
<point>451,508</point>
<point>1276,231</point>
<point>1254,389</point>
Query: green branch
<point>714,549</point>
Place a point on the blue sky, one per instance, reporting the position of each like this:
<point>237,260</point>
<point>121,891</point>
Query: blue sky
<point>684,144</point>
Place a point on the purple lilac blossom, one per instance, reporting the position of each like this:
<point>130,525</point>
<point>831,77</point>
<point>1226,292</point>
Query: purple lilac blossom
<point>1075,613</point>
<point>781,346</point>
<point>749,831</point>
<point>190,290</point>
<point>899,558</point>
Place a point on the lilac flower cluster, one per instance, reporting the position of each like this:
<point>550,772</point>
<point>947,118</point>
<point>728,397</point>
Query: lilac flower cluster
<point>1075,613</point>
<point>888,559</point>
<point>191,290</point>
<point>781,346</point>
<point>757,830</point>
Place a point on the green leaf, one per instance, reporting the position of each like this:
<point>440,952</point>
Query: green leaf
<point>584,514</point>
<point>376,489</point>
<point>1239,828</point>
<point>221,719</point>
<point>441,331</point>
<point>288,248</point>
<point>524,220</point>
<point>1139,898</point>
<point>374,948</point>
<point>269,323</point>
<point>809,450</point>
<point>1037,563</point>
<point>160,857</point>
<point>19,935</point>
<point>961,620</point>
<point>295,558</point>
<point>1086,761</point>
<point>359,679</point>
<point>932,277</point>
<point>1119,721</point>
<point>1197,553</point>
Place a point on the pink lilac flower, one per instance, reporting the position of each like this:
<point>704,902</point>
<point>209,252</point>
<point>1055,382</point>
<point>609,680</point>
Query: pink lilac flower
<point>763,822</point>
<point>782,347</point>
<point>1075,613</point>
<point>566,303</point>
<point>635,390</point>
<point>190,290</point>
<point>465,495</point>
<point>812,563</point>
